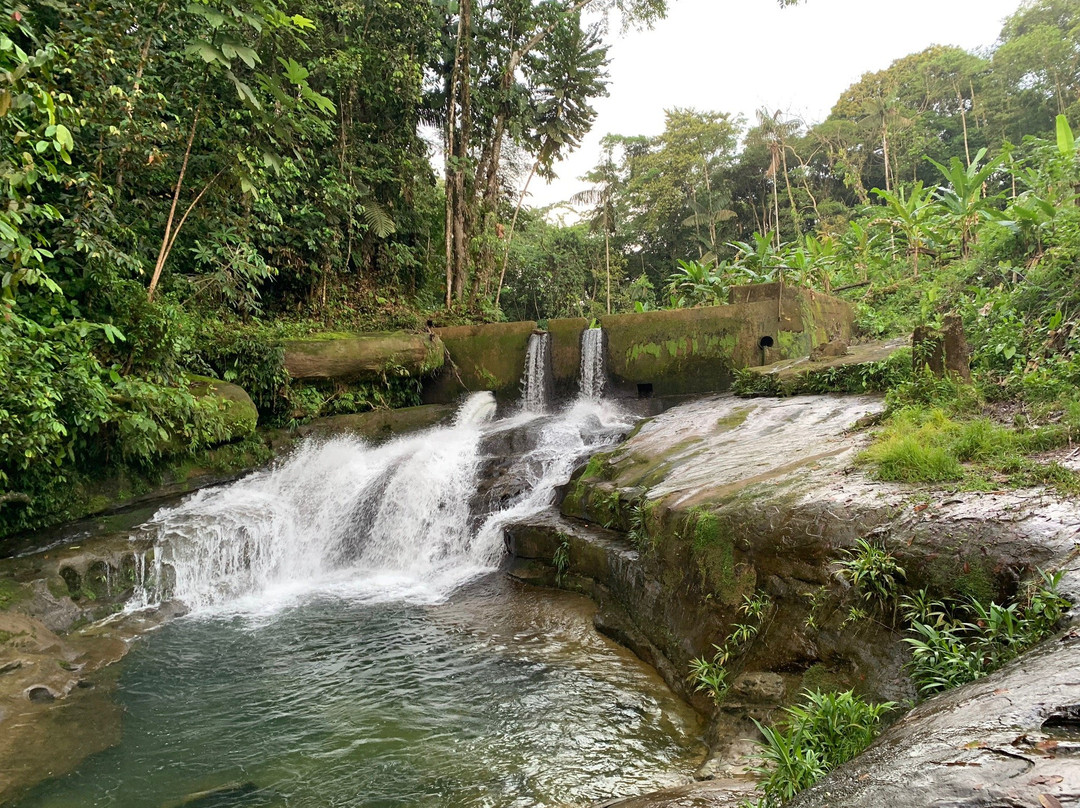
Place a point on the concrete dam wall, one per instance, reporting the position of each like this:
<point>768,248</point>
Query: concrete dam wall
<point>673,352</point>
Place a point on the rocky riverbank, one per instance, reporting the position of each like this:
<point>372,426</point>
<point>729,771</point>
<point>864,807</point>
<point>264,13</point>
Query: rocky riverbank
<point>710,502</point>
<point>719,499</point>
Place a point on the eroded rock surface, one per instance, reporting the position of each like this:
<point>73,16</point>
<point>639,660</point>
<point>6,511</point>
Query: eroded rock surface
<point>721,498</point>
<point>1011,739</point>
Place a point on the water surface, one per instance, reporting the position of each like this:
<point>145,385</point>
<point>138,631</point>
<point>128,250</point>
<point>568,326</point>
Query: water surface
<point>502,696</point>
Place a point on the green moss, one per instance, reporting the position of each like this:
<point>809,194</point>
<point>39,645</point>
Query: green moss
<point>57,587</point>
<point>974,581</point>
<point>644,349</point>
<point>595,468</point>
<point>713,547</point>
<point>12,592</point>
<point>733,419</point>
<point>793,344</point>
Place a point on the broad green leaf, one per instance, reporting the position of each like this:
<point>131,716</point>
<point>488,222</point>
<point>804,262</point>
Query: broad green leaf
<point>207,52</point>
<point>244,91</point>
<point>1065,142</point>
<point>214,17</point>
<point>294,71</point>
<point>63,137</point>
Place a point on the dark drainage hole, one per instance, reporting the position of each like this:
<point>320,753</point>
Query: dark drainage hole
<point>644,391</point>
<point>40,694</point>
<point>765,342</point>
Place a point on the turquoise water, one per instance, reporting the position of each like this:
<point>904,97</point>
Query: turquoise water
<point>504,696</point>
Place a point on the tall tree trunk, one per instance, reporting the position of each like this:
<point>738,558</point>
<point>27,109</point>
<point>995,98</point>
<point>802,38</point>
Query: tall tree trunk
<point>459,114</point>
<point>166,242</point>
<point>791,196</point>
<point>885,153</point>
<point>776,209</point>
<point>607,263</point>
<point>510,234</point>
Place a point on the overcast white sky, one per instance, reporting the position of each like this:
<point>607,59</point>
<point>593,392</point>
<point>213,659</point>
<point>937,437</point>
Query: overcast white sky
<point>739,55</point>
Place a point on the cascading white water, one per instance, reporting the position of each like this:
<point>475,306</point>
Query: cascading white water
<point>593,376</point>
<point>392,521</point>
<point>536,383</point>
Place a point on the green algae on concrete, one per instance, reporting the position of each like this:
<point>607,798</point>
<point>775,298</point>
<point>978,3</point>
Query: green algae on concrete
<point>481,357</point>
<point>696,350</point>
<point>676,352</point>
<point>566,351</point>
<point>371,356</point>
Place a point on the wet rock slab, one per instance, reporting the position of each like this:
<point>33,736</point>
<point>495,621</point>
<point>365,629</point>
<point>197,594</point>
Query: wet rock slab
<point>1009,740</point>
<point>712,794</point>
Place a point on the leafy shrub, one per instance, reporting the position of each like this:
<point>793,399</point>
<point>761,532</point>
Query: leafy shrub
<point>709,675</point>
<point>819,734</point>
<point>62,412</point>
<point>874,572</point>
<point>250,357</point>
<point>955,643</point>
<point>561,560</point>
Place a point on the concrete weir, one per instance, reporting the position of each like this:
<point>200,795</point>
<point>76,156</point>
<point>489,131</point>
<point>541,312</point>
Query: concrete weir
<point>655,353</point>
<point>674,352</point>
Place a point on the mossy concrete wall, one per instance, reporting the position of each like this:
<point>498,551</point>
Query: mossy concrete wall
<point>676,352</point>
<point>355,357</point>
<point>566,353</point>
<point>696,350</point>
<point>481,357</point>
<point>672,352</point>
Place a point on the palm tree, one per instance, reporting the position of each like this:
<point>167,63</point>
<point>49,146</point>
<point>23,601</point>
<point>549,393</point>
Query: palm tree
<point>775,132</point>
<point>601,198</point>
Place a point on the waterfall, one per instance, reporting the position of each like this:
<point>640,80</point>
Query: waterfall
<point>536,384</point>
<point>380,522</point>
<point>592,377</point>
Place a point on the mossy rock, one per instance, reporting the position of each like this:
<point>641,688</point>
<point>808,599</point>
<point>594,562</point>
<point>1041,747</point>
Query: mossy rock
<point>381,423</point>
<point>354,357</point>
<point>240,415</point>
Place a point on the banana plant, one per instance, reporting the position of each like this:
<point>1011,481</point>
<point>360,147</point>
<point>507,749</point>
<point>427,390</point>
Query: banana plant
<point>1030,217</point>
<point>759,262</point>
<point>861,244</point>
<point>963,200</point>
<point>910,212</point>
<point>697,284</point>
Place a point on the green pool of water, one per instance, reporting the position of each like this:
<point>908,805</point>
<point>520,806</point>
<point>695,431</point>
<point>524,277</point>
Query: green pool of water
<point>504,696</point>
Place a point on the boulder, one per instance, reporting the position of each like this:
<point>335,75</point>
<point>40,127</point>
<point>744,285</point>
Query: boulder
<point>826,350</point>
<point>241,414</point>
<point>1011,739</point>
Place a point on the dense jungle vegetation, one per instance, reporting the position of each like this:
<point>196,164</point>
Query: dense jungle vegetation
<point>187,184</point>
